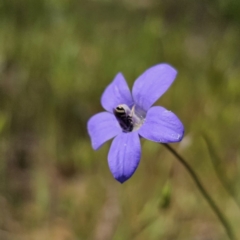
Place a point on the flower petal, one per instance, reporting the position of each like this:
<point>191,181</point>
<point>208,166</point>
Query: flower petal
<point>152,84</point>
<point>124,155</point>
<point>116,93</point>
<point>162,126</point>
<point>102,127</point>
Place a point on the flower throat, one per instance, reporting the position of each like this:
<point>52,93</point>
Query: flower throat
<point>127,119</point>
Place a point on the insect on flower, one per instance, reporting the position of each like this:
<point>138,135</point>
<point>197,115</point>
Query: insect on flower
<point>121,113</point>
<point>131,116</point>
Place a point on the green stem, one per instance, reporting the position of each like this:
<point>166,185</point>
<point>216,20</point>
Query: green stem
<point>211,202</point>
<point>216,161</point>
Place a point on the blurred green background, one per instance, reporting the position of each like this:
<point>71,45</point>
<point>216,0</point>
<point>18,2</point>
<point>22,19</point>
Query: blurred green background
<point>56,58</point>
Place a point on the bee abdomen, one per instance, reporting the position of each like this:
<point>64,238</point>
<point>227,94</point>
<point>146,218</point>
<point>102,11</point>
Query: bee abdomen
<point>124,120</point>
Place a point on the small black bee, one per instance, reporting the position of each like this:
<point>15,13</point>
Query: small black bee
<point>123,118</point>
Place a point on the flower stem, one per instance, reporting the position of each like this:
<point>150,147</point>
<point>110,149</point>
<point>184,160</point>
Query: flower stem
<point>216,161</point>
<point>211,202</point>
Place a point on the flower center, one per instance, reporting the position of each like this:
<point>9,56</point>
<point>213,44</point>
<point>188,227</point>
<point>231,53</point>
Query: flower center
<point>129,119</point>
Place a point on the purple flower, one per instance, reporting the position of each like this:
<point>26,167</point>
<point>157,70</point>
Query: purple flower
<point>131,116</point>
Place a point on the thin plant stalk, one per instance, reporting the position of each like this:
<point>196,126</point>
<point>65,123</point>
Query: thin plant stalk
<point>205,194</point>
<point>216,161</point>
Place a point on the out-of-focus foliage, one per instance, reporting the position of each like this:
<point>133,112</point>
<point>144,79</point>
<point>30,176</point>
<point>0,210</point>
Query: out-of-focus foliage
<point>56,58</point>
